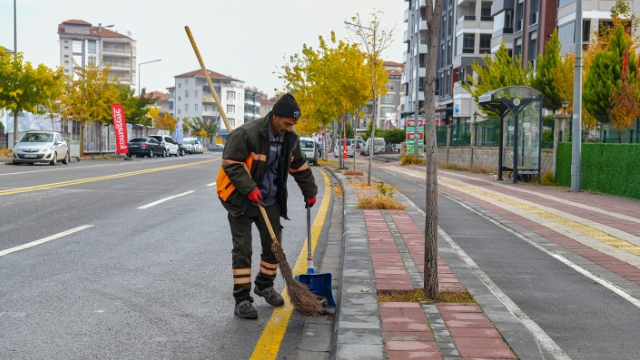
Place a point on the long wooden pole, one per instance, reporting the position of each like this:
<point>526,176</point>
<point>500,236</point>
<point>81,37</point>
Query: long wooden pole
<point>206,75</point>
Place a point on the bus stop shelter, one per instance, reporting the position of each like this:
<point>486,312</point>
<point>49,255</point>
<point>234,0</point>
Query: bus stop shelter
<point>520,111</point>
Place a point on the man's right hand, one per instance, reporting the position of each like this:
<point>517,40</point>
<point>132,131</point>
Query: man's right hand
<point>255,196</point>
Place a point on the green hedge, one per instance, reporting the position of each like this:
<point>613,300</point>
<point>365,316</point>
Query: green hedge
<point>609,168</point>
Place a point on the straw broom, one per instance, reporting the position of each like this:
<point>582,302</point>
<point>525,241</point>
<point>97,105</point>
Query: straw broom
<point>300,296</point>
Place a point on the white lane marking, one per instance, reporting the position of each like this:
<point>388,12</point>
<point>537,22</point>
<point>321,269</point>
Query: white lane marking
<point>165,199</point>
<point>44,240</point>
<point>536,331</point>
<point>212,184</point>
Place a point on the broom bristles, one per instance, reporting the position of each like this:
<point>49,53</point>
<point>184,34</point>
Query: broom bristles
<point>300,296</point>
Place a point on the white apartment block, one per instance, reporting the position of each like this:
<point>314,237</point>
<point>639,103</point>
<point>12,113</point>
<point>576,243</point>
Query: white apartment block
<point>191,97</point>
<point>82,44</point>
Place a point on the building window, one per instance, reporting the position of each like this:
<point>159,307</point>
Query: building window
<point>92,46</point>
<point>186,81</point>
<point>566,34</point>
<point>186,107</point>
<point>466,44</point>
<point>518,49</point>
<point>179,98</point>
<point>231,95</point>
<point>231,108</point>
<point>195,107</point>
<point>532,51</point>
<point>178,111</point>
<point>195,94</point>
<point>485,43</point>
<point>91,60</point>
<point>533,16</point>
<point>562,3</point>
<point>179,85</point>
<point>387,99</point>
<point>232,121</point>
<point>77,46</point>
<point>390,86</point>
<point>186,94</point>
<point>519,16</point>
<point>485,13</point>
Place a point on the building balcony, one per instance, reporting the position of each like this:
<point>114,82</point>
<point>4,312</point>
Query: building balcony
<point>208,101</point>
<point>211,113</point>
<point>406,15</point>
<point>423,25</point>
<point>117,65</point>
<point>422,3</point>
<point>466,18</point>
<point>116,51</point>
<point>406,36</point>
<point>403,80</point>
<point>422,49</point>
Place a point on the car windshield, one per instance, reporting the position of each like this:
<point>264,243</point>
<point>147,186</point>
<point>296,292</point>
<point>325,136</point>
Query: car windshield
<point>306,144</point>
<point>159,138</point>
<point>37,137</point>
<point>138,140</point>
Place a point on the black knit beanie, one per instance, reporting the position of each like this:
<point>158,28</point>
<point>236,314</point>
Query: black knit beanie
<point>287,106</point>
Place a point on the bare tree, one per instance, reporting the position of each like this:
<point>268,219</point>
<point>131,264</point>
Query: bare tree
<point>431,224</point>
<point>374,39</point>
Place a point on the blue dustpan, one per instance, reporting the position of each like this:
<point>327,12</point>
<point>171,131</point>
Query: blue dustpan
<point>319,284</point>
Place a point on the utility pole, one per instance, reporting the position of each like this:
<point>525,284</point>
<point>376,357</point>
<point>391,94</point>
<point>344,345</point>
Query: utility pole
<point>15,58</point>
<point>576,131</point>
<point>416,58</point>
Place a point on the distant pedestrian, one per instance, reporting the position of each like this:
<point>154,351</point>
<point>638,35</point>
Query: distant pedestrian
<point>271,151</point>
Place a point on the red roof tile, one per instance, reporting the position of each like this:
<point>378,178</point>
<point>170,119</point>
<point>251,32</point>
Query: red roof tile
<point>200,73</point>
<point>391,63</point>
<point>160,95</point>
<point>76,22</point>
<point>267,102</point>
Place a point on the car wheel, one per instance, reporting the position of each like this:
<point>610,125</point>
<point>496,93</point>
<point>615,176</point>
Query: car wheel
<point>181,152</point>
<point>54,161</point>
<point>177,151</point>
<point>30,163</point>
<point>151,153</point>
<point>15,163</point>
<point>66,159</point>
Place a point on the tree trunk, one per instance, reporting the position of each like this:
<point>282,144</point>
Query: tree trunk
<point>81,138</point>
<point>431,224</point>
<point>15,128</point>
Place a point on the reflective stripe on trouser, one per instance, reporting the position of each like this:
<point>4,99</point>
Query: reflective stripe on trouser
<point>241,253</point>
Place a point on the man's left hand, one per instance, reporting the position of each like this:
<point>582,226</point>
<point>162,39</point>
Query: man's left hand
<point>309,202</point>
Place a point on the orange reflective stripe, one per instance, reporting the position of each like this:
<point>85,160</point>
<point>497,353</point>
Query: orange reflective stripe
<point>259,157</point>
<point>243,271</point>
<point>268,265</point>
<point>224,186</point>
<point>301,168</point>
<point>244,280</point>
<point>267,271</point>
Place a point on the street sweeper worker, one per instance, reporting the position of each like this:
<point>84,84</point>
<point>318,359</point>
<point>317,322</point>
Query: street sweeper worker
<point>271,151</point>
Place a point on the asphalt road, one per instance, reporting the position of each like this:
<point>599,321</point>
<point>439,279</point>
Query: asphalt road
<point>124,277</point>
<point>584,318</point>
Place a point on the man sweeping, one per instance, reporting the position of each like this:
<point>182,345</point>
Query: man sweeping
<point>270,150</point>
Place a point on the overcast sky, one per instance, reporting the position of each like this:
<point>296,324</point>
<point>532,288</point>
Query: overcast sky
<point>248,40</point>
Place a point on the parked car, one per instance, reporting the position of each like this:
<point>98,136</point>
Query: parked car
<point>170,146</point>
<point>149,146</point>
<point>181,150</point>
<point>215,147</point>
<point>192,145</point>
<point>378,145</point>
<point>41,146</point>
<point>310,149</point>
<point>337,149</point>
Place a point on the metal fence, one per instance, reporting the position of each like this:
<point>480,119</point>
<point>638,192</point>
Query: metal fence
<point>487,133</point>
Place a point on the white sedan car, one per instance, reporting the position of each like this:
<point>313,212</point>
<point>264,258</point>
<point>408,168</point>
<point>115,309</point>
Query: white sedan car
<point>41,146</point>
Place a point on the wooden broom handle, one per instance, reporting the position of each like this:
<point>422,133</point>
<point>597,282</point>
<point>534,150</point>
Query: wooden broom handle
<point>226,123</point>
<point>206,75</point>
<point>264,213</point>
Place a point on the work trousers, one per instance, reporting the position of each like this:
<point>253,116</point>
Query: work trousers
<point>242,250</point>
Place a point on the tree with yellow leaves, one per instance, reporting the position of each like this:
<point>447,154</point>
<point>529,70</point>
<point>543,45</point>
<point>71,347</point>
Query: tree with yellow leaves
<point>89,97</point>
<point>166,122</point>
<point>154,114</point>
<point>24,88</point>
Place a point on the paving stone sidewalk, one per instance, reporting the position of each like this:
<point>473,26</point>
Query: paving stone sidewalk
<point>384,250</point>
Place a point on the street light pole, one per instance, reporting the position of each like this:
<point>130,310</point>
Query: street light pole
<point>576,132</point>
<point>139,65</point>
<point>416,47</point>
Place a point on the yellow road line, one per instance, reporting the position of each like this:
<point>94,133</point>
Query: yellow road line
<point>98,178</point>
<point>268,344</point>
<point>589,231</point>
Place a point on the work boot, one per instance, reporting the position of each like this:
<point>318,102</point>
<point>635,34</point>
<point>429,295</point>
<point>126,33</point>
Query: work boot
<point>270,295</point>
<point>245,310</point>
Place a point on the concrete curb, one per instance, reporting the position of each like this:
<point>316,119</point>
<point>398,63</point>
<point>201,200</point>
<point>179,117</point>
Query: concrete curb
<point>358,326</point>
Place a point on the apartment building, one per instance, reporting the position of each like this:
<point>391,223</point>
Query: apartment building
<point>251,104</point>
<point>162,100</point>
<point>594,15</point>
<point>191,96</point>
<point>81,43</point>
<point>387,106</point>
<point>266,105</point>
